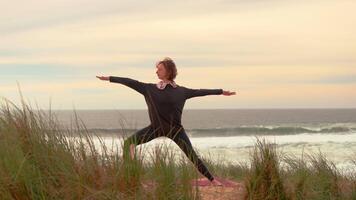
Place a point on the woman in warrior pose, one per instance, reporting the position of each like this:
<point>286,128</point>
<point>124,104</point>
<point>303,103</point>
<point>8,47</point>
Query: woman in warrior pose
<point>165,101</point>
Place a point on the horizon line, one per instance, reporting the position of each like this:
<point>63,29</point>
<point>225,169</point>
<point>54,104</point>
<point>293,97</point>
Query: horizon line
<point>266,108</point>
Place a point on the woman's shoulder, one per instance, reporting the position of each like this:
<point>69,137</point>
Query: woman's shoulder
<point>154,86</point>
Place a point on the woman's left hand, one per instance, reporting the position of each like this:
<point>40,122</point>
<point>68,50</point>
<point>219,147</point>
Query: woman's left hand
<point>228,93</point>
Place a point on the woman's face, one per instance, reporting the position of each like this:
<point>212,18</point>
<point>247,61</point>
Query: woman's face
<point>161,71</point>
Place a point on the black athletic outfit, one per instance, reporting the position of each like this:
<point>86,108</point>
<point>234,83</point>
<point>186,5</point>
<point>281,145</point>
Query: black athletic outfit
<point>165,110</point>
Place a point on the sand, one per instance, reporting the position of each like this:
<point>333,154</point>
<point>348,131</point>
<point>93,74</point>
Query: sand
<point>229,190</point>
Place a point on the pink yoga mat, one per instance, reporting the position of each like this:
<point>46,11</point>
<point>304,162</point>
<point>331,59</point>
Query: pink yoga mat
<point>206,182</point>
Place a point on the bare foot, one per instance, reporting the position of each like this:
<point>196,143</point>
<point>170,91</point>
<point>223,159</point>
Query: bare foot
<point>216,183</point>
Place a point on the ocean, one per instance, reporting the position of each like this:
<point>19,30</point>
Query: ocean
<point>230,134</point>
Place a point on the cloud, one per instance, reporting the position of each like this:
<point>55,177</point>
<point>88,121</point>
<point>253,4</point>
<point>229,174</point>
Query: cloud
<point>252,46</point>
<point>311,33</point>
<point>38,14</point>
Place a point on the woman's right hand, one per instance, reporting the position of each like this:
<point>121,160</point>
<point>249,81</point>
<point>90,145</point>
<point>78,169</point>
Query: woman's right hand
<point>228,93</point>
<point>103,78</point>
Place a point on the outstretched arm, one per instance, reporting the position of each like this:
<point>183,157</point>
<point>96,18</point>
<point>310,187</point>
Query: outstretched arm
<point>190,93</point>
<point>134,84</point>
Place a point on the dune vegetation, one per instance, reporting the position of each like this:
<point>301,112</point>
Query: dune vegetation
<point>41,159</point>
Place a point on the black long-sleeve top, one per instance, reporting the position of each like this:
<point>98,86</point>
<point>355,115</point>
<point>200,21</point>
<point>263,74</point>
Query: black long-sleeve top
<point>165,106</point>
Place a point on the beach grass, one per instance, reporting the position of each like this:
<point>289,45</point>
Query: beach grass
<point>41,159</point>
<point>275,175</point>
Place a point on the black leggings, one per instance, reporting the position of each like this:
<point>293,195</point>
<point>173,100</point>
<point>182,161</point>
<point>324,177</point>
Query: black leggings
<point>178,135</point>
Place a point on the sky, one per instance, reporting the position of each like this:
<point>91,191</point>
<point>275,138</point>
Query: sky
<point>272,53</point>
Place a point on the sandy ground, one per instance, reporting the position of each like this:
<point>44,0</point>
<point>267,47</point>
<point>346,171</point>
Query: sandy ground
<point>229,190</point>
<point>226,193</point>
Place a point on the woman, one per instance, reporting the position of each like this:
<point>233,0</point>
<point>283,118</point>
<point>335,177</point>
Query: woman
<point>165,101</point>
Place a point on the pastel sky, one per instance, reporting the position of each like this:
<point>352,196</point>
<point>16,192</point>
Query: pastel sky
<point>273,53</point>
